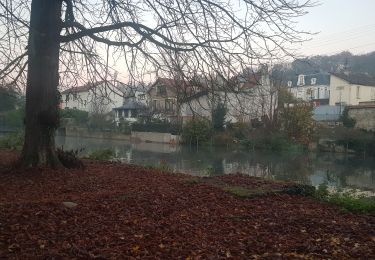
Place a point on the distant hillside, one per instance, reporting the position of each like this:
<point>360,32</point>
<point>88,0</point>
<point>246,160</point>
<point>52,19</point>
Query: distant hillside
<point>338,63</point>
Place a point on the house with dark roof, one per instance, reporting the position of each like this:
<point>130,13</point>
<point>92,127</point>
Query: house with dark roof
<point>330,93</point>
<point>165,96</point>
<point>351,89</point>
<point>314,88</point>
<point>332,89</point>
<point>130,111</point>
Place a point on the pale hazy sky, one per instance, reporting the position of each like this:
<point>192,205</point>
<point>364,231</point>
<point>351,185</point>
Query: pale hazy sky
<point>343,25</point>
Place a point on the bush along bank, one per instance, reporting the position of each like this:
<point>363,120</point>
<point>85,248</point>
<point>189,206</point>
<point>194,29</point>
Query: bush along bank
<point>273,142</point>
<point>347,200</point>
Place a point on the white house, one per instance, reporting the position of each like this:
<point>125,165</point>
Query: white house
<point>311,88</point>
<point>333,89</point>
<point>97,97</point>
<point>251,98</point>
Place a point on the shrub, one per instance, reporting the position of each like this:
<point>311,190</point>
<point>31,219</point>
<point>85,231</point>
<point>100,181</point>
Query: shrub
<point>102,155</point>
<point>79,116</point>
<point>14,118</point>
<point>239,130</point>
<point>196,131</point>
<point>100,122</point>
<point>13,141</point>
<point>272,142</point>
<point>69,159</point>
<point>218,117</point>
<point>8,98</point>
<point>210,170</point>
<point>347,121</point>
<point>222,139</point>
<point>297,122</point>
<point>322,191</point>
<point>357,140</point>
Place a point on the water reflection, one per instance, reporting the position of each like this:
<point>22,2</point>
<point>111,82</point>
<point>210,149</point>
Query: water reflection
<point>337,170</point>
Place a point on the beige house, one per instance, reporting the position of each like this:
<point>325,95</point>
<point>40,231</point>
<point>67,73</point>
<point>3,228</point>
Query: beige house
<point>351,89</point>
<point>164,97</point>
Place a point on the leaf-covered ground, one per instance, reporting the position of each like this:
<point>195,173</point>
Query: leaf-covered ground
<point>127,212</point>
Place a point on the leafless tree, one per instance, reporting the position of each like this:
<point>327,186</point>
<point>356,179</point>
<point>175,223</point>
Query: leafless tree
<point>49,43</point>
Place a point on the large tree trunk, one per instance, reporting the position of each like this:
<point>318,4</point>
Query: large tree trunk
<point>42,96</point>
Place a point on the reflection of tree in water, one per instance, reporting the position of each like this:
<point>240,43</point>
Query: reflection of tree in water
<point>340,170</point>
<point>347,170</point>
<point>218,166</point>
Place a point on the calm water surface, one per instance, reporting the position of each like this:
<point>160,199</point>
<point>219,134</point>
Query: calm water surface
<point>336,170</point>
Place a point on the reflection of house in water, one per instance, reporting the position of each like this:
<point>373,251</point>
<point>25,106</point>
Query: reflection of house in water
<point>247,168</point>
<point>156,147</point>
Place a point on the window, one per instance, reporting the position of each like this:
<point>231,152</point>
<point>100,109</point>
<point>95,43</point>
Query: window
<point>313,81</point>
<point>372,94</point>
<point>142,97</point>
<point>169,104</point>
<point>358,92</point>
<point>161,90</point>
<point>154,104</point>
<point>301,80</point>
<point>67,98</point>
<point>74,96</point>
<point>289,83</point>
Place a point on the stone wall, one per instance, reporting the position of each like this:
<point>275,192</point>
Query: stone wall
<point>155,137</point>
<point>83,132</point>
<point>364,116</point>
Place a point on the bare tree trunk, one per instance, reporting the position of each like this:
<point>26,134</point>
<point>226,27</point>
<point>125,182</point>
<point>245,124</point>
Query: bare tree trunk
<point>42,97</point>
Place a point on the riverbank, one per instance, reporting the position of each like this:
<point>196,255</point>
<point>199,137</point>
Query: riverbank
<point>113,210</point>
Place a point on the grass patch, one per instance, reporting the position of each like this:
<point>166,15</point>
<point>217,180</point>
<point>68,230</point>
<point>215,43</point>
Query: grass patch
<point>102,155</point>
<point>193,181</point>
<point>239,191</point>
<point>347,200</point>
<point>162,166</point>
<point>297,189</point>
<point>12,141</point>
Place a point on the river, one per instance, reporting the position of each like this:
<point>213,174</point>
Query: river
<point>336,170</point>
